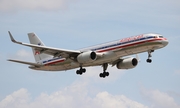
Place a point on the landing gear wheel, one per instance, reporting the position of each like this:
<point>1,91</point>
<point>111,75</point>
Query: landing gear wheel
<point>77,72</point>
<point>149,56</point>
<point>102,75</point>
<point>106,73</point>
<point>81,71</point>
<point>149,60</point>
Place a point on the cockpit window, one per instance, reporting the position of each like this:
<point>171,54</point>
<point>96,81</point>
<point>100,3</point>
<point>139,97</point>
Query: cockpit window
<point>160,36</point>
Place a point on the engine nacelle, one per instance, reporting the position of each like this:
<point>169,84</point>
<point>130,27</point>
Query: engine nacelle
<point>127,63</point>
<point>87,57</point>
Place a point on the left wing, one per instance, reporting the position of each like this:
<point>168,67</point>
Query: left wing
<point>49,50</point>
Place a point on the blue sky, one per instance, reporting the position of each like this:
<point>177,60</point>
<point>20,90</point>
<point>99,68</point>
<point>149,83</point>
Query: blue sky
<point>74,24</point>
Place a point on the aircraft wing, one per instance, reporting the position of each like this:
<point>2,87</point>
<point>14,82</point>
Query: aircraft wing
<point>24,62</point>
<point>48,50</point>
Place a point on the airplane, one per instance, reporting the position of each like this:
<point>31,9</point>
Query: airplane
<point>110,53</point>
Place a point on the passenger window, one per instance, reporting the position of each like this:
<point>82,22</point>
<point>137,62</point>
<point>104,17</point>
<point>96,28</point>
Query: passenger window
<point>160,36</point>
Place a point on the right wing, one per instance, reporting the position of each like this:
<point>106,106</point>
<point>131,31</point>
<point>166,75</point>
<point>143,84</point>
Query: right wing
<point>49,50</point>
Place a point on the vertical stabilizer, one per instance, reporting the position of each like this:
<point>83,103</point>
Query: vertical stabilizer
<point>35,40</point>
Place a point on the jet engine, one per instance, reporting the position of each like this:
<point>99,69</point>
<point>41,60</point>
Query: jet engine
<point>87,57</point>
<point>127,63</point>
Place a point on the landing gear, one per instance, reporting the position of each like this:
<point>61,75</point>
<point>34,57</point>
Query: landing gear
<point>149,60</point>
<point>149,56</point>
<point>104,74</point>
<point>81,71</point>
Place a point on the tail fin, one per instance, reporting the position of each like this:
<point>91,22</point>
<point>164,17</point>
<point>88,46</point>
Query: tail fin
<point>35,40</point>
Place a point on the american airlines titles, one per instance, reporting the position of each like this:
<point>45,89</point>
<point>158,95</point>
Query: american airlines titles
<point>131,38</point>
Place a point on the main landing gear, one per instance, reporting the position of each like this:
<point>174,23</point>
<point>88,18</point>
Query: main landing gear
<point>81,71</point>
<point>149,56</point>
<point>104,74</point>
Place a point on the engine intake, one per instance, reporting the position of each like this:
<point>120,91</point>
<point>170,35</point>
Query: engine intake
<point>127,63</point>
<point>87,57</point>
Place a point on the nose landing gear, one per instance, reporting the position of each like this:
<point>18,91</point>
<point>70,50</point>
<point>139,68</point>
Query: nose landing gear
<point>149,56</point>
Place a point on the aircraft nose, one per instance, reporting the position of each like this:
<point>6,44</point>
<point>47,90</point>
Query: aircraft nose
<point>165,42</point>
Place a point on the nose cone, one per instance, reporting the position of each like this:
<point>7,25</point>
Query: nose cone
<point>165,42</point>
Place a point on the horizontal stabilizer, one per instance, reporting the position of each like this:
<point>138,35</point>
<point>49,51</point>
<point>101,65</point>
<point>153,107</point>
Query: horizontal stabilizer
<point>24,62</point>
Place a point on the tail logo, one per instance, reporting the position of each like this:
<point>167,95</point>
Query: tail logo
<point>39,44</point>
<point>37,53</point>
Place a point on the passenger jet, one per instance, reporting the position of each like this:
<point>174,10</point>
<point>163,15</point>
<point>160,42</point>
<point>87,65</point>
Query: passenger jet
<point>110,53</point>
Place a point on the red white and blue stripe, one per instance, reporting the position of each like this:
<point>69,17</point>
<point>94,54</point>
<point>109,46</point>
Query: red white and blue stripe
<point>53,61</point>
<point>128,43</point>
